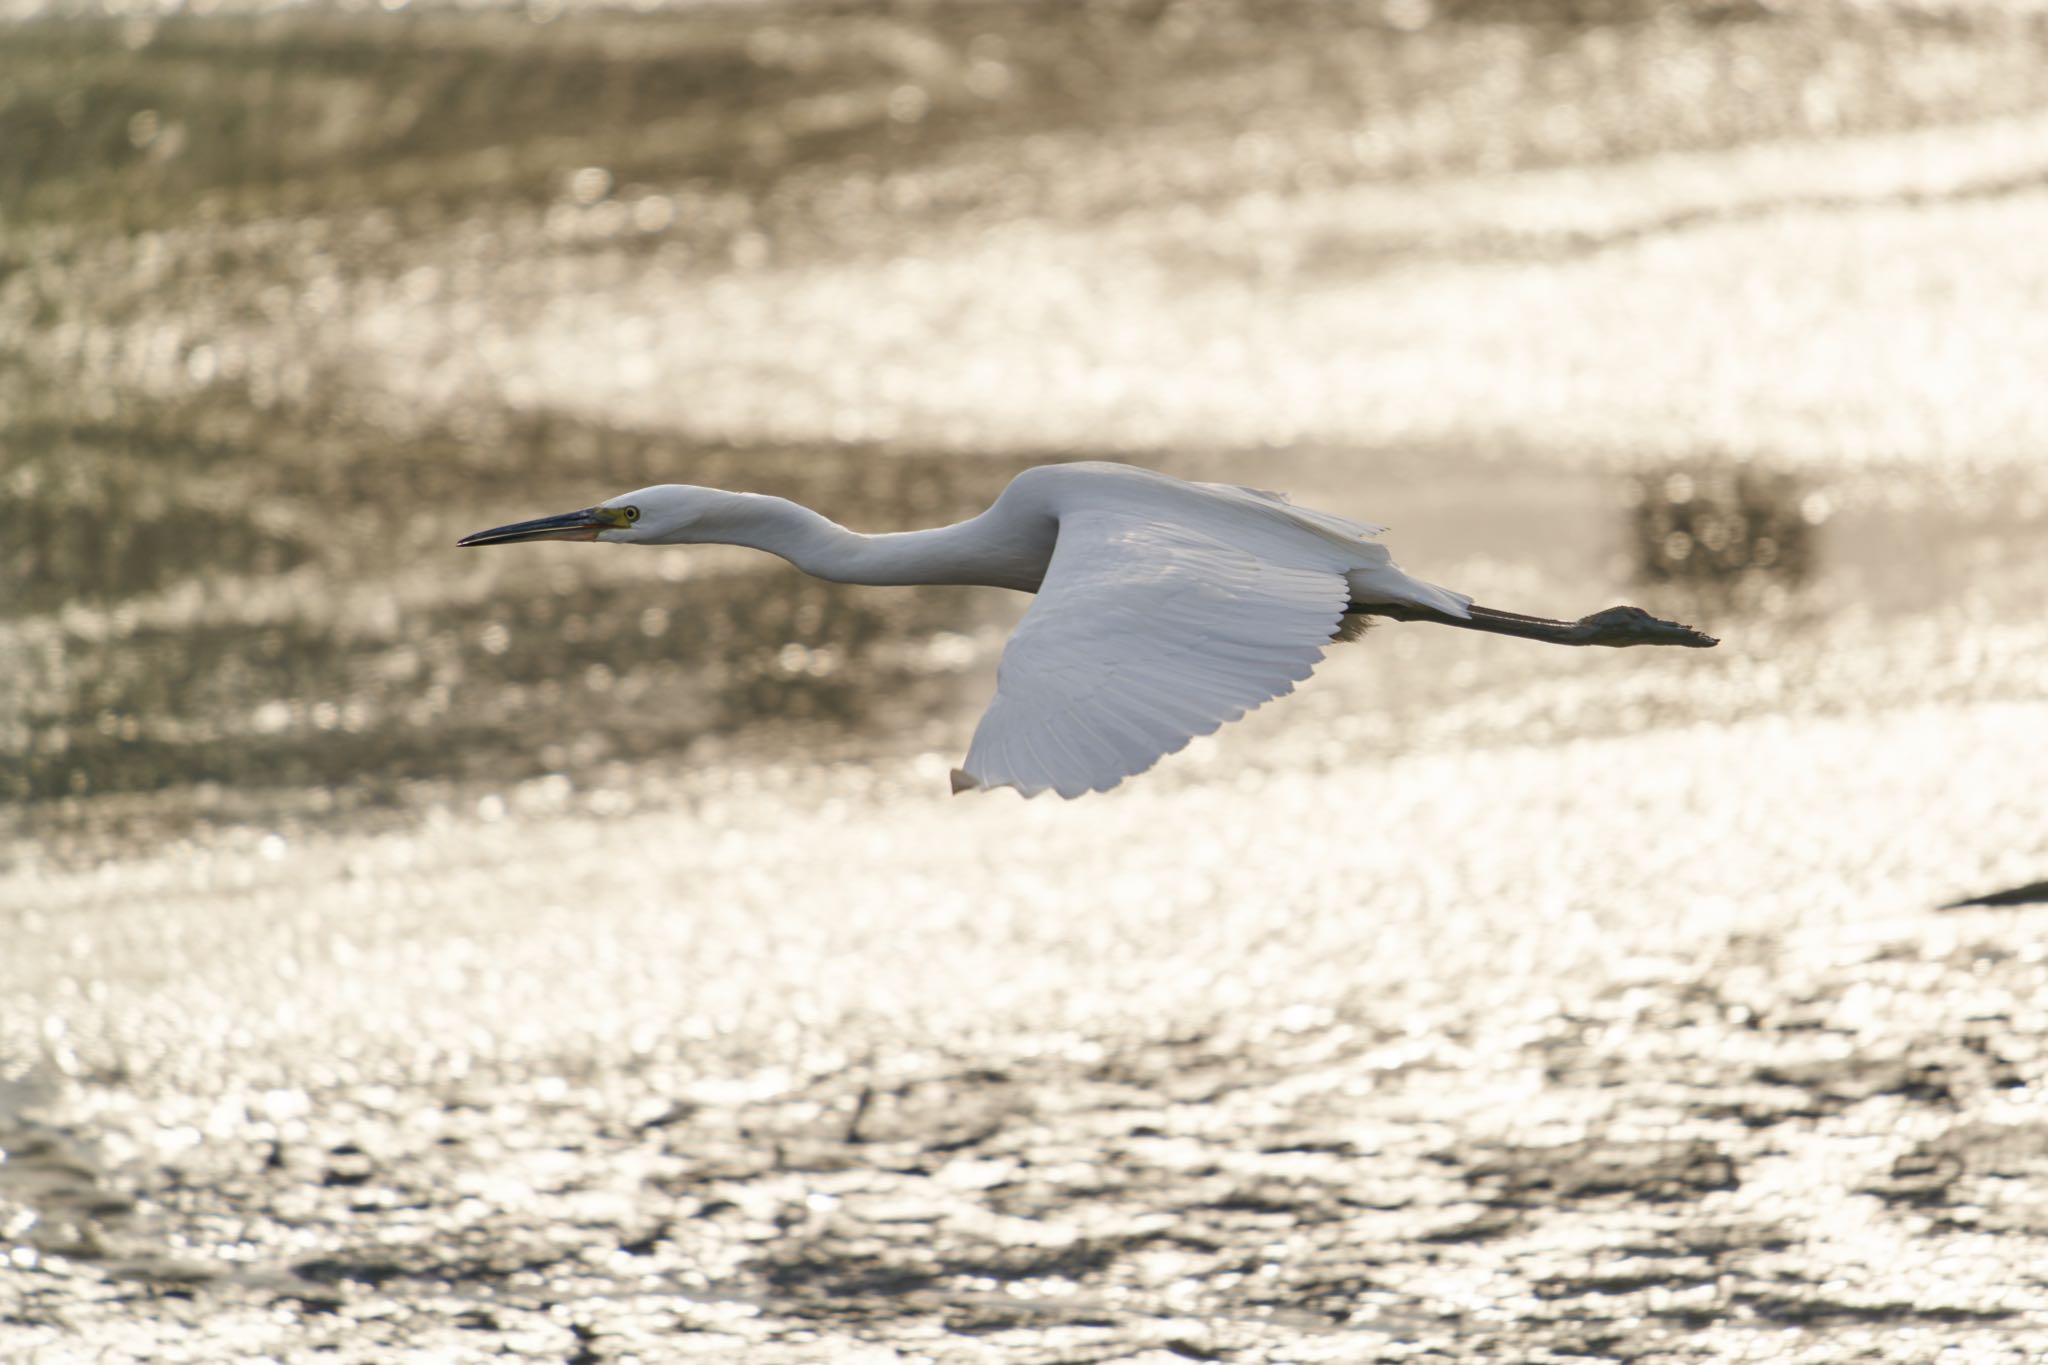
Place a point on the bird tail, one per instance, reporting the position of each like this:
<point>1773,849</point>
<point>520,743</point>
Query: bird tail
<point>1351,626</point>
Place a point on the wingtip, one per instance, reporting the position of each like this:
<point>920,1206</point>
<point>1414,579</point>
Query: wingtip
<point>962,782</point>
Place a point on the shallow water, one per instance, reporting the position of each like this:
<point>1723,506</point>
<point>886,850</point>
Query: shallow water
<point>573,950</point>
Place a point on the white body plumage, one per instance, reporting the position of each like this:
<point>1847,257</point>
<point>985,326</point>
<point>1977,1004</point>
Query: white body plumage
<point>1165,608</point>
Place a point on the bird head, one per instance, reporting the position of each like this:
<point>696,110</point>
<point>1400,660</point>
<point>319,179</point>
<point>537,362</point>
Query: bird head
<point>662,514</point>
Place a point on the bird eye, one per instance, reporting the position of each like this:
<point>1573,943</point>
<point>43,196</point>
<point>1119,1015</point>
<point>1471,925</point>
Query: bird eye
<point>632,514</point>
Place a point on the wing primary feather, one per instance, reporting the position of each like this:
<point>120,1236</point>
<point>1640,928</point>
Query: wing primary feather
<point>1071,762</point>
<point>1157,622</point>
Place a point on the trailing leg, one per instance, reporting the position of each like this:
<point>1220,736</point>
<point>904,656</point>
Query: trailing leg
<point>1615,627</point>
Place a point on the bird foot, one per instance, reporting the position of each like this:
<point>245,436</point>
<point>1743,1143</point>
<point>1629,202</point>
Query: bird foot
<point>1622,626</point>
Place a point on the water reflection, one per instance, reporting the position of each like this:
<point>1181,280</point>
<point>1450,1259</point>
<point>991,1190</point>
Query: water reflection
<point>281,332</point>
<point>419,952</point>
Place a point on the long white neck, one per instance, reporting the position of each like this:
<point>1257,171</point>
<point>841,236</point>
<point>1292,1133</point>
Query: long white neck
<point>977,551</point>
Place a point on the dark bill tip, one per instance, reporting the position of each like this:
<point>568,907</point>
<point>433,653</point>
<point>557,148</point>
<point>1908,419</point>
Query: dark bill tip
<point>583,524</point>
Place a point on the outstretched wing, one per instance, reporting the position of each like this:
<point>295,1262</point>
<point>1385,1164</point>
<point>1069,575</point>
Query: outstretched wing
<point>1329,523</point>
<point>1144,635</point>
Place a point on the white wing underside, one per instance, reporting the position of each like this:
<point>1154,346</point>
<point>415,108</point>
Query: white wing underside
<point>1151,629</point>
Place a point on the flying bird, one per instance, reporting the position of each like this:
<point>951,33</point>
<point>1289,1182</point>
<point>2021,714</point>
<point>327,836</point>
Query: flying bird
<point>1164,607</point>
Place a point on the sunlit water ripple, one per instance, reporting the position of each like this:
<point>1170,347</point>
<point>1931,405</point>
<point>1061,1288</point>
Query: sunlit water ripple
<point>436,952</point>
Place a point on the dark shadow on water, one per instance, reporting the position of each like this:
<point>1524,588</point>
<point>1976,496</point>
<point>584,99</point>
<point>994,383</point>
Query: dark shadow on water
<point>1724,529</point>
<point>2033,893</point>
<point>139,122</point>
<point>98,541</point>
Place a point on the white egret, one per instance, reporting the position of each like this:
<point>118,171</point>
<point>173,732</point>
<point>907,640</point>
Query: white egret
<point>1165,607</point>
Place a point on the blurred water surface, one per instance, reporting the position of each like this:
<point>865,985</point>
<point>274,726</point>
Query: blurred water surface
<point>324,842</point>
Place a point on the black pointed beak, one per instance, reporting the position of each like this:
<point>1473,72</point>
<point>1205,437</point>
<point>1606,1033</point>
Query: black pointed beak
<point>578,525</point>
